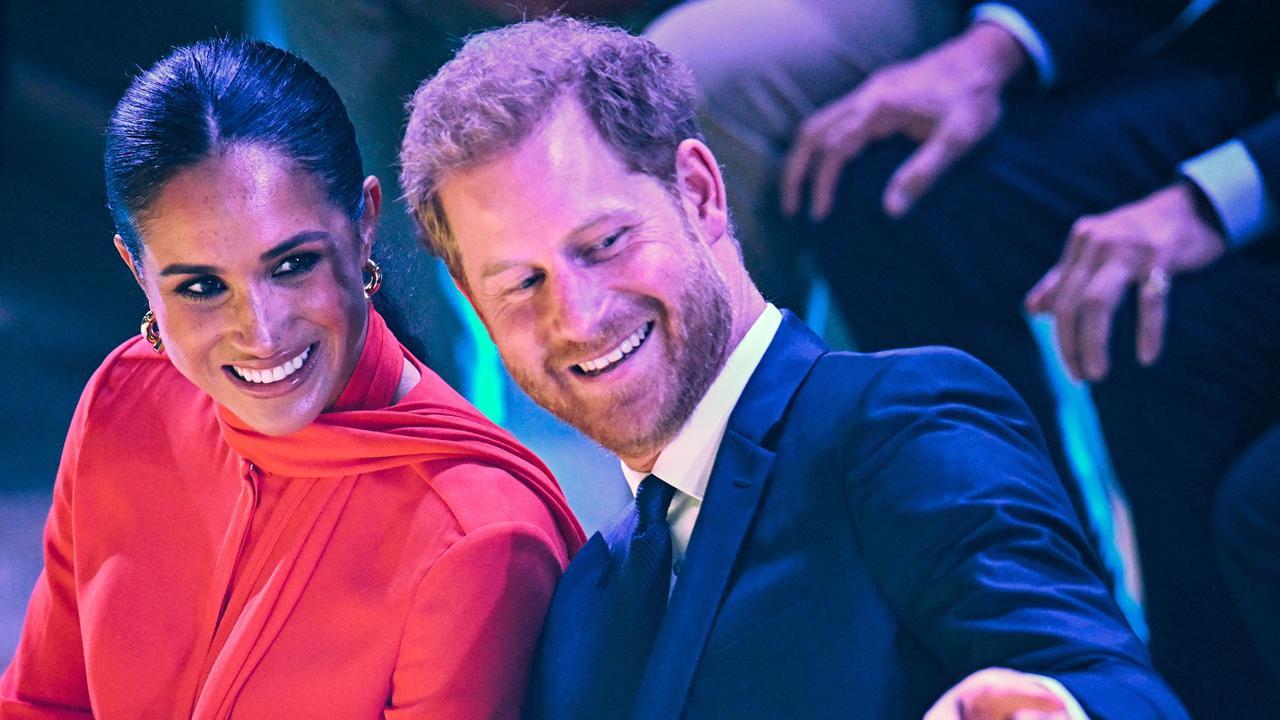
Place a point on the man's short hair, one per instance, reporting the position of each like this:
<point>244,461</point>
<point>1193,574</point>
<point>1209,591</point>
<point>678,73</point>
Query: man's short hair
<point>502,85</point>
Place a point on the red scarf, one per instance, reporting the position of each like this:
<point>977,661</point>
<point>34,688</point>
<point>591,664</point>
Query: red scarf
<point>363,432</point>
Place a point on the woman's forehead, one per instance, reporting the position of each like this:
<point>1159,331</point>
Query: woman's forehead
<point>244,200</point>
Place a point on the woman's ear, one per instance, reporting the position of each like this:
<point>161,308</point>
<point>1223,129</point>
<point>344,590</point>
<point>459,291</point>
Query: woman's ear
<point>702,188</point>
<point>128,260</point>
<point>372,190</point>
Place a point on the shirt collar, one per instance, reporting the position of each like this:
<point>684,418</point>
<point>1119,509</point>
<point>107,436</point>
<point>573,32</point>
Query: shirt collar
<point>685,463</point>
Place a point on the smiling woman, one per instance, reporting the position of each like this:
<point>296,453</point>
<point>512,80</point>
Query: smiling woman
<point>266,507</point>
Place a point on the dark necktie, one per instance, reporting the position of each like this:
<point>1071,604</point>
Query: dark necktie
<point>637,597</point>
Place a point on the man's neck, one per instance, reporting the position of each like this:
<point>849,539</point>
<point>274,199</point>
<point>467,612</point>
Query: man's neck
<point>748,305</point>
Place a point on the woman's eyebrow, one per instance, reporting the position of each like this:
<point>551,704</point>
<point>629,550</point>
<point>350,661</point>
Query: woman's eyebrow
<point>303,237</point>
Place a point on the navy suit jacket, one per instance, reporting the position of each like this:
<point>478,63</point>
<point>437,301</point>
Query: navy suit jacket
<point>876,527</point>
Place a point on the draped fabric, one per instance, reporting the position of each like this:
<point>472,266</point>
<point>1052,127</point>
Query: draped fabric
<point>388,560</point>
<point>362,434</point>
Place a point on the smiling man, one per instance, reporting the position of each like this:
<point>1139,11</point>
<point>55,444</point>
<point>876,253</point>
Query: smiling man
<point>815,534</point>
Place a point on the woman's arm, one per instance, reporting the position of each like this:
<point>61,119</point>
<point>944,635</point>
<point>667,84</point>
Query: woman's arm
<point>474,623</point>
<point>46,678</point>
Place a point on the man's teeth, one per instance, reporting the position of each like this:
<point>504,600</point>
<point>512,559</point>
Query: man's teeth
<point>275,374</point>
<point>622,350</point>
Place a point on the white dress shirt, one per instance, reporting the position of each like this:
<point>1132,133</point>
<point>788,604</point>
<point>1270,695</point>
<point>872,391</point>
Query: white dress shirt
<point>685,463</point>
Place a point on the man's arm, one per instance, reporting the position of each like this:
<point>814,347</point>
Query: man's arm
<point>949,99</point>
<point>1091,35</point>
<point>1224,200</point>
<point>971,537</point>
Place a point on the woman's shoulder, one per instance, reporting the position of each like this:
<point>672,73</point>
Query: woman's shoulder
<point>135,382</point>
<point>478,495</point>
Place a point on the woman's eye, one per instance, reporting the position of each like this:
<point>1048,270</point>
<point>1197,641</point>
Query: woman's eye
<point>611,240</point>
<point>296,264</point>
<point>201,288</point>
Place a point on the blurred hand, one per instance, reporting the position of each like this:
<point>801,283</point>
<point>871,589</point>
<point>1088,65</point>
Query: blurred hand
<point>998,694</point>
<point>947,100</point>
<point>1144,243</point>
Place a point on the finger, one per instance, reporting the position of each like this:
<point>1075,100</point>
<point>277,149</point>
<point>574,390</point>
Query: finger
<point>1097,309</point>
<point>947,708</point>
<point>844,142</point>
<point>793,173</point>
<point>1040,298</point>
<point>1001,703</point>
<point>1083,232</point>
<point>1153,311</point>
<point>1066,307</point>
<point>1039,715</point>
<point>920,171</point>
<point>809,143</point>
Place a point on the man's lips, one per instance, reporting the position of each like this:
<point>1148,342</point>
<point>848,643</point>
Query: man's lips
<point>614,355</point>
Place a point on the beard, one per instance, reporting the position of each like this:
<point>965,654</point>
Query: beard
<point>642,417</point>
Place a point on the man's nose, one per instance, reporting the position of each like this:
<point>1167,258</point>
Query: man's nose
<point>578,304</point>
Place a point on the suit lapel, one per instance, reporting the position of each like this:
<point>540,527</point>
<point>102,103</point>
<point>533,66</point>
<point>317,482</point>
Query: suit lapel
<point>736,486</point>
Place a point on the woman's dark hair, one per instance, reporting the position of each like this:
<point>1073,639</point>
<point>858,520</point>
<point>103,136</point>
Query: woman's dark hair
<point>216,94</point>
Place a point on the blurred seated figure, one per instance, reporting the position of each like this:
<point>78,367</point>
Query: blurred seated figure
<point>1247,529</point>
<point>1115,165</point>
<point>761,68</point>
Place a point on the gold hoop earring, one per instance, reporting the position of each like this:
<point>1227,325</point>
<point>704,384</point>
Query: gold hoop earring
<point>151,332</point>
<point>375,278</point>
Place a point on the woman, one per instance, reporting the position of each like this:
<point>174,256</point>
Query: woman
<point>265,506</point>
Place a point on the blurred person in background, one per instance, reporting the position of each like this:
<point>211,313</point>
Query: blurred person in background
<point>1115,165</point>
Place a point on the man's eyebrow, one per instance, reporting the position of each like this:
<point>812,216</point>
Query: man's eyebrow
<point>280,249</point>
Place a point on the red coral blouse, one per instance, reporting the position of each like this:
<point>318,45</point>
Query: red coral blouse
<point>385,561</point>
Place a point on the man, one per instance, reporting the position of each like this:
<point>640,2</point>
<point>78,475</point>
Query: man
<point>815,534</point>
<point>1117,166</point>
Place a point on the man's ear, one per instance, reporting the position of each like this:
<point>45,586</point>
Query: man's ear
<point>702,188</point>
<point>128,260</point>
<point>368,229</point>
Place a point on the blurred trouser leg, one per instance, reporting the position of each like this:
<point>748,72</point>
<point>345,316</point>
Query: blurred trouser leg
<point>1247,530</point>
<point>762,67</point>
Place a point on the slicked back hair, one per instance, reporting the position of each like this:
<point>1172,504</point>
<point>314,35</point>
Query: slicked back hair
<point>217,94</point>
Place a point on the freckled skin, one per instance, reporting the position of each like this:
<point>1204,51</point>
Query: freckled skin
<point>566,253</point>
<point>226,212</point>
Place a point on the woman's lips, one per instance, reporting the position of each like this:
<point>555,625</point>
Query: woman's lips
<point>277,380</point>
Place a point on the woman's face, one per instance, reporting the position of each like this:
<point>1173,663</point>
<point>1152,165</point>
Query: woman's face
<point>256,281</point>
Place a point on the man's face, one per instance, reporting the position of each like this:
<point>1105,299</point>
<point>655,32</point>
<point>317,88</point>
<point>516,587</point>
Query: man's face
<point>600,293</point>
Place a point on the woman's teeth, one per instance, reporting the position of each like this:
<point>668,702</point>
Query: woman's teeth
<point>622,350</point>
<point>275,374</point>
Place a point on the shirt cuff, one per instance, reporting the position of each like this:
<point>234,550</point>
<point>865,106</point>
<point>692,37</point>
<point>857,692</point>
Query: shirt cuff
<point>1074,711</point>
<point>1024,32</point>
<point>1233,184</point>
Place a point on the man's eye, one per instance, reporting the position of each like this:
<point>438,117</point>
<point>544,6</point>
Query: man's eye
<point>201,288</point>
<point>296,264</point>
<point>527,282</point>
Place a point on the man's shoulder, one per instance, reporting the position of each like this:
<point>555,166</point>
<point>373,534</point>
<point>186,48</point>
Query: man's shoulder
<point>851,375</point>
<point>862,400</point>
